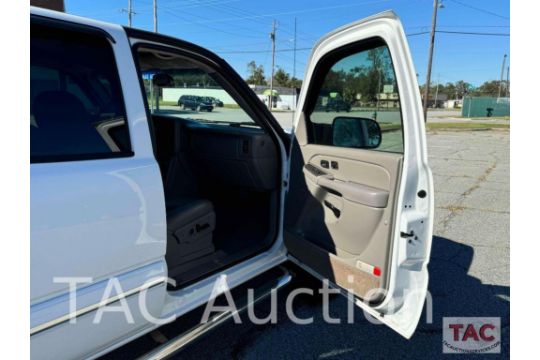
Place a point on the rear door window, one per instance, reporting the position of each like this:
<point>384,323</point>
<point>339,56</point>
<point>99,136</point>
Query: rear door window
<point>76,105</point>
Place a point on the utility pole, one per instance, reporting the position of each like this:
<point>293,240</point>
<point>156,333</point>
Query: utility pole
<point>129,11</point>
<point>294,52</point>
<point>155,16</point>
<point>430,59</point>
<point>437,90</point>
<point>294,68</point>
<point>507,81</point>
<point>273,38</point>
<point>502,75</point>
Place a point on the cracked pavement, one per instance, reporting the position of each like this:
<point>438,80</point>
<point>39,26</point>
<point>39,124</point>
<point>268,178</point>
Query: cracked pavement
<point>469,269</point>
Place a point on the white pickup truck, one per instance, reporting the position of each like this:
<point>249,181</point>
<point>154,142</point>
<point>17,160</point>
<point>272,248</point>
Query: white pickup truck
<point>139,202</point>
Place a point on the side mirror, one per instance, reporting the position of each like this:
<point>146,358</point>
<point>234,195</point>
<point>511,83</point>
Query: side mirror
<point>356,132</point>
<point>163,80</point>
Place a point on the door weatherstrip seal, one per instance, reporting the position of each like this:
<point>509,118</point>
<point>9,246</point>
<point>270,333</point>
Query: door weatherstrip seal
<point>85,310</point>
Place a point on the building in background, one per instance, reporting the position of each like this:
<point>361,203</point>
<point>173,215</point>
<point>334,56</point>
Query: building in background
<point>284,98</point>
<point>436,102</point>
<point>453,104</point>
<point>388,100</point>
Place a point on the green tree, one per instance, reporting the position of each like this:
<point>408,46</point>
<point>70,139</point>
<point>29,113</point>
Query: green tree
<point>488,88</point>
<point>463,88</point>
<point>193,78</point>
<point>458,90</point>
<point>295,83</point>
<point>378,73</point>
<point>449,89</point>
<point>256,74</point>
<point>334,81</point>
<point>281,78</point>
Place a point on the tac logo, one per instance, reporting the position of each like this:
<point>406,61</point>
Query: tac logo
<point>471,335</point>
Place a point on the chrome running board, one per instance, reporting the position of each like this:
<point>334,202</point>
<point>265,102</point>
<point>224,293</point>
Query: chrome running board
<point>177,343</point>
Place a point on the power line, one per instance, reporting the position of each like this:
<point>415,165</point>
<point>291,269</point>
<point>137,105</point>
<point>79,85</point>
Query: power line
<point>473,26</point>
<point>247,15</point>
<point>472,33</point>
<point>409,35</point>
<point>149,5</point>
<point>251,16</point>
<point>418,33</point>
<point>457,26</point>
<point>256,16</point>
<point>290,59</point>
<point>234,46</point>
<point>261,51</point>
<point>172,11</point>
<point>481,10</point>
<point>214,29</point>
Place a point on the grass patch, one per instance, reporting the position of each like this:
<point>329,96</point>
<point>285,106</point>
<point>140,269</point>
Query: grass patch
<point>478,118</point>
<point>466,126</point>
<point>389,127</point>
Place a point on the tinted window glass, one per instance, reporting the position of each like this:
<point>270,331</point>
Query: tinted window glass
<point>76,106</point>
<point>178,86</point>
<point>358,84</point>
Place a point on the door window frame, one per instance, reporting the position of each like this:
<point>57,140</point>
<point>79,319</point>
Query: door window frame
<point>321,70</point>
<point>236,86</point>
<point>68,26</point>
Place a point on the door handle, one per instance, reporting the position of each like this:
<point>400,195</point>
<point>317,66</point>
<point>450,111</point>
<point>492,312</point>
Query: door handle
<point>334,209</point>
<point>358,193</point>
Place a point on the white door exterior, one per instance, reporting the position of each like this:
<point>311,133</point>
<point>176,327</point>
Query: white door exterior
<point>406,288</point>
<point>96,223</point>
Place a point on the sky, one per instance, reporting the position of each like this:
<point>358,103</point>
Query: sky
<point>238,30</point>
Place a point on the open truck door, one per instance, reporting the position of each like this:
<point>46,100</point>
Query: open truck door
<point>359,207</point>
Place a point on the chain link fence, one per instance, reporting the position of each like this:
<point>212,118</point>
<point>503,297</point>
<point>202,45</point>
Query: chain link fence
<point>485,106</point>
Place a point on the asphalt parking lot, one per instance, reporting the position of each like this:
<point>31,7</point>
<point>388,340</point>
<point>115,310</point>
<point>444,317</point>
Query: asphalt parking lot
<point>469,269</point>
